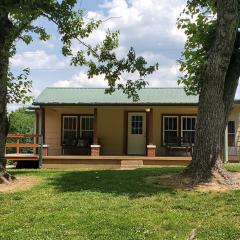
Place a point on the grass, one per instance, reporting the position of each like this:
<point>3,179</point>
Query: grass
<point>112,204</point>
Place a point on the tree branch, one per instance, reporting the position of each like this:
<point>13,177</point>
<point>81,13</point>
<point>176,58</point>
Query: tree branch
<point>232,77</point>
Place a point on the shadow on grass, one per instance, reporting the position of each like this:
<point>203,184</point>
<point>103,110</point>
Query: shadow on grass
<point>119,182</point>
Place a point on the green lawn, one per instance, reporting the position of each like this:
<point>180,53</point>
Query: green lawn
<point>105,204</point>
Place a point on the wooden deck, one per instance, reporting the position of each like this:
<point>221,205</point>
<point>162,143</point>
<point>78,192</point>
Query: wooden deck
<point>22,157</point>
<point>17,144</point>
<point>111,162</point>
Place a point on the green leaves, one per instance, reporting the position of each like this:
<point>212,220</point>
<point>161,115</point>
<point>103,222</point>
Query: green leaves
<point>21,122</point>
<point>73,26</point>
<point>19,87</point>
<point>103,60</point>
<point>198,20</point>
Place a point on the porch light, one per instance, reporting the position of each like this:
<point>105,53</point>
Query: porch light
<point>148,110</point>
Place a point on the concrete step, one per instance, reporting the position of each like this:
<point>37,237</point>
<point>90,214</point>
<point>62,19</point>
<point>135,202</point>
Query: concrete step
<point>131,163</point>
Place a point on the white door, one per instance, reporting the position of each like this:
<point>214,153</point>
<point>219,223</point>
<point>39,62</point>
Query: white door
<point>137,133</point>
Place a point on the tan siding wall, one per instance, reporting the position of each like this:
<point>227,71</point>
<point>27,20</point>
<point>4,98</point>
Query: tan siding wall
<point>234,152</point>
<point>111,125</point>
<point>110,130</point>
<point>53,131</point>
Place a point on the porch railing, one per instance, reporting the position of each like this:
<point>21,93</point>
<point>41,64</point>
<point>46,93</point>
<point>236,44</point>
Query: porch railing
<point>33,142</point>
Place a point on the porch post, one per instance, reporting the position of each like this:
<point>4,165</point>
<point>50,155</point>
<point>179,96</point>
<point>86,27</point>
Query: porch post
<point>151,148</point>
<point>43,124</point>
<point>226,145</point>
<point>95,147</point>
<point>95,128</point>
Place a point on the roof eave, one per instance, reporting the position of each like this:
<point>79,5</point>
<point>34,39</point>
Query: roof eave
<point>116,104</point>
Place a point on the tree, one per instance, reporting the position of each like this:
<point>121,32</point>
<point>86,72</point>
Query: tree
<point>211,68</point>
<point>20,121</point>
<point>17,22</point>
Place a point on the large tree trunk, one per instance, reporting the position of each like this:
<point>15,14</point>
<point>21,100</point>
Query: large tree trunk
<point>220,78</point>
<point>5,44</point>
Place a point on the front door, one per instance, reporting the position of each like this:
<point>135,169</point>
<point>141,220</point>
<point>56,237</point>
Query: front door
<point>136,133</point>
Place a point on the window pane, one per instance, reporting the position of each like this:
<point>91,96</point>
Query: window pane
<point>170,137</point>
<point>189,125</point>
<point>231,127</point>
<point>69,130</point>
<point>174,123</point>
<point>231,140</point>
<point>166,127</point>
<point>137,124</point>
<point>170,123</point>
<point>74,123</point>
<point>193,123</point>
<point>86,130</point>
<point>188,137</point>
<point>83,123</point>
<point>65,123</point>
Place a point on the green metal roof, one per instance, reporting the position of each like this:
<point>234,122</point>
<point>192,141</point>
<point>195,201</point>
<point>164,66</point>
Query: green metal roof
<point>97,96</point>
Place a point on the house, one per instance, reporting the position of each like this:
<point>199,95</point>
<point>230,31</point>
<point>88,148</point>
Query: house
<point>86,121</point>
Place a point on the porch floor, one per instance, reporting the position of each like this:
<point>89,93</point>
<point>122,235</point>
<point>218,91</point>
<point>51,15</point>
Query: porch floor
<point>111,161</point>
<point>22,157</point>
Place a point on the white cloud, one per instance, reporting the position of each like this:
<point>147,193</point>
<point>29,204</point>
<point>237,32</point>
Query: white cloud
<point>148,26</point>
<point>38,59</point>
<point>81,80</point>
<point>166,77</point>
<point>48,44</point>
<point>11,107</point>
<point>35,92</point>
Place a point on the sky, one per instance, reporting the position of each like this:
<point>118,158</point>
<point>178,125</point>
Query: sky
<point>147,25</point>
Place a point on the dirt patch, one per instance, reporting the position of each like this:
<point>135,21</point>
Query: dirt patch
<point>19,184</point>
<point>216,185</point>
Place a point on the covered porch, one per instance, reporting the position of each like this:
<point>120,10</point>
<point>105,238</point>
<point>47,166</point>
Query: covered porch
<point>111,131</point>
<point>37,152</point>
<point>25,149</point>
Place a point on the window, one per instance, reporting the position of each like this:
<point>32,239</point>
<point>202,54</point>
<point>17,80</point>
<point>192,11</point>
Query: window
<point>86,127</point>
<point>188,128</point>
<point>170,129</point>
<point>231,133</point>
<point>69,129</point>
<point>137,124</point>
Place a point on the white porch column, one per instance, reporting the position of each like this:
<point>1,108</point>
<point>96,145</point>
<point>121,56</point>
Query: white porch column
<point>226,145</point>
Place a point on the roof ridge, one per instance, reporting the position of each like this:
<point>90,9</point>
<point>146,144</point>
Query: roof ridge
<point>107,87</point>
<point>40,94</point>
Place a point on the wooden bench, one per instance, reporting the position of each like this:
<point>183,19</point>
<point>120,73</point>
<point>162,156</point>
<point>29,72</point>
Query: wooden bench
<point>179,144</point>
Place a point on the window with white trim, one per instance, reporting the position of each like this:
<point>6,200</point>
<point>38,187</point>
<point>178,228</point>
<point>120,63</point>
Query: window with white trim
<point>231,133</point>
<point>188,129</point>
<point>170,129</point>
<point>69,134</point>
<point>86,127</point>
<point>137,124</point>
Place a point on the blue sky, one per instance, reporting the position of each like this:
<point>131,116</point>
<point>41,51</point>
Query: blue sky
<point>148,26</point>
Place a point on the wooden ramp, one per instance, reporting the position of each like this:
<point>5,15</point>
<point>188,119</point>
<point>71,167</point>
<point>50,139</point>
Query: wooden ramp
<point>110,162</point>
